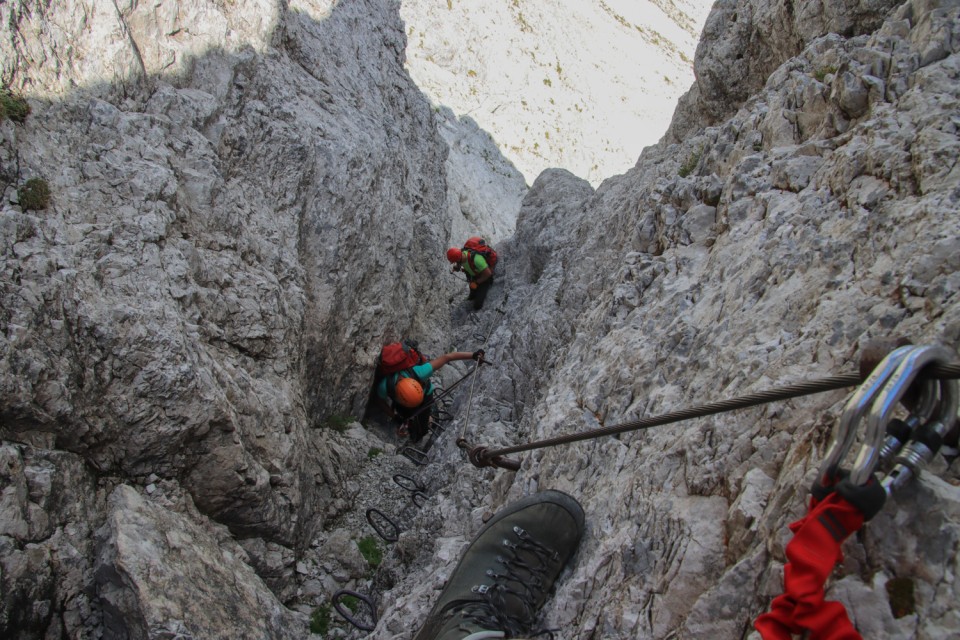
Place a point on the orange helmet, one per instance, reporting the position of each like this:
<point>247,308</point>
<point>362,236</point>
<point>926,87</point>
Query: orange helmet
<point>409,392</point>
<point>454,254</point>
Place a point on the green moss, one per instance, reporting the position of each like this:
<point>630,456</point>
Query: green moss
<point>370,551</point>
<point>320,620</point>
<point>373,452</point>
<point>13,106</point>
<point>691,163</point>
<point>821,73</point>
<point>351,602</point>
<point>34,194</point>
<point>901,597</point>
<point>338,422</point>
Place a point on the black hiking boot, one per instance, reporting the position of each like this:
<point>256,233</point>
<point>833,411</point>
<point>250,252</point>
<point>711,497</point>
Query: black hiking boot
<point>505,575</point>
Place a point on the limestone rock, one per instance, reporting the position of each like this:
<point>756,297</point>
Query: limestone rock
<point>761,251</point>
<point>158,574</point>
<point>744,41</point>
<point>199,310</point>
<point>582,86</point>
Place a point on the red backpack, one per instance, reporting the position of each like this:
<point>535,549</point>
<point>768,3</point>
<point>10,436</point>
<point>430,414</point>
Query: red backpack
<point>478,245</point>
<point>398,356</point>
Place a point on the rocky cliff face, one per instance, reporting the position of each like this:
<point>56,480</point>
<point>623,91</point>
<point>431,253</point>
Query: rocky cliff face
<point>247,200</point>
<point>584,86</point>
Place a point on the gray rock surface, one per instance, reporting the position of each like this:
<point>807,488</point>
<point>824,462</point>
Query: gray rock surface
<point>249,199</point>
<point>582,85</point>
<point>744,41</point>
<point>763,251</point>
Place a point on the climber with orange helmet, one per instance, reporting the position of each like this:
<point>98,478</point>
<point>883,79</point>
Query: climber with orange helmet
<point>404,392</point>
<point>477,260</point>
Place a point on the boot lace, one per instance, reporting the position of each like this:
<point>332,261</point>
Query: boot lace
<point>510,604</point>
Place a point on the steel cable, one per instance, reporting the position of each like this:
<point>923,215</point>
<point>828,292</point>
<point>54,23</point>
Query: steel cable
<point>742,402</point>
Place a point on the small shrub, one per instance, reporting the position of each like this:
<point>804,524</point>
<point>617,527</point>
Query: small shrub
<point>370,551</point>
<point>34,194</point>
<point>337,422</point>
<point>821,73</point>
<point>373,452</point>
<point>13,106</point>
<point>691,163</point>
<point>320,620</point>
<point>547,82</point>
<point>471,73</point>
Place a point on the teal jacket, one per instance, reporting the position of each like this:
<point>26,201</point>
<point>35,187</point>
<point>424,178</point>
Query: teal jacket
<point>421,373</point>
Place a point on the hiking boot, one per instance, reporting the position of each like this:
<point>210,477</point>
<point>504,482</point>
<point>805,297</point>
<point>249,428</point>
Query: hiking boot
<point>505,575</point>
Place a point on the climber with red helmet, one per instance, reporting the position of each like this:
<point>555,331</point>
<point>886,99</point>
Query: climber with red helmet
<point>477,260</point>
<point>404,392</point>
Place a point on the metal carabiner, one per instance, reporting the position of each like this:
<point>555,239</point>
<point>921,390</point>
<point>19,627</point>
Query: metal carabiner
<point>927,440</point>
<point>891,393</point>
<point>853,411</point>
<point>898,436</point>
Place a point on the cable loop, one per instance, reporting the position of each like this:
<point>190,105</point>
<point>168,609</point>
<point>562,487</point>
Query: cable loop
<point>347,615</point>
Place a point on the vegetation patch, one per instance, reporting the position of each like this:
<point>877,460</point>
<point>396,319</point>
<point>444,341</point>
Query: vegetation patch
<point>34,194</point>
<point>373,452</point>
<point>320,620</point>
<point>821,73</point>
<point>370,551</point>
<point>13,106</point>
<point>690,164</point>
<point>351,602</point>
<point>338,422</point>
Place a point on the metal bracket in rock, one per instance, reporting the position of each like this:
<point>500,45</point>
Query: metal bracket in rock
<point>348,615</point>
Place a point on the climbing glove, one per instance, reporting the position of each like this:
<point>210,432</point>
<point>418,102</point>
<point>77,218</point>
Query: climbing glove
<point>478,355</point>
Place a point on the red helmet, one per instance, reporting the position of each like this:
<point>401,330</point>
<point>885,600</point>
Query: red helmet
<point>409,392</point>
<point>454,254</point>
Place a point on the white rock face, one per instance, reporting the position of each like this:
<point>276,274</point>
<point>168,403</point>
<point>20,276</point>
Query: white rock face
<point>184,330</point>
<point>578,85</point>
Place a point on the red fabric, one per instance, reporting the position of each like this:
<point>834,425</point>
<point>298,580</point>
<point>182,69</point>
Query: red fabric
<point>476,244</point>
<point>811,556</point>
<point>397,356</point>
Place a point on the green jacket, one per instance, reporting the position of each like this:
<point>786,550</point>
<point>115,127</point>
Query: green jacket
<point>473,264</point>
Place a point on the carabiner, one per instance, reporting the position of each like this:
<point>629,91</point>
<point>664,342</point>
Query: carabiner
<point>899,432</point>
<point>856,406</point>
<point>927,440</point>
<point>890,394</point>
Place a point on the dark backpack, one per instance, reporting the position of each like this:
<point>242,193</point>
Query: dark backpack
<point>478,245</point>
<point>397,356</point>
